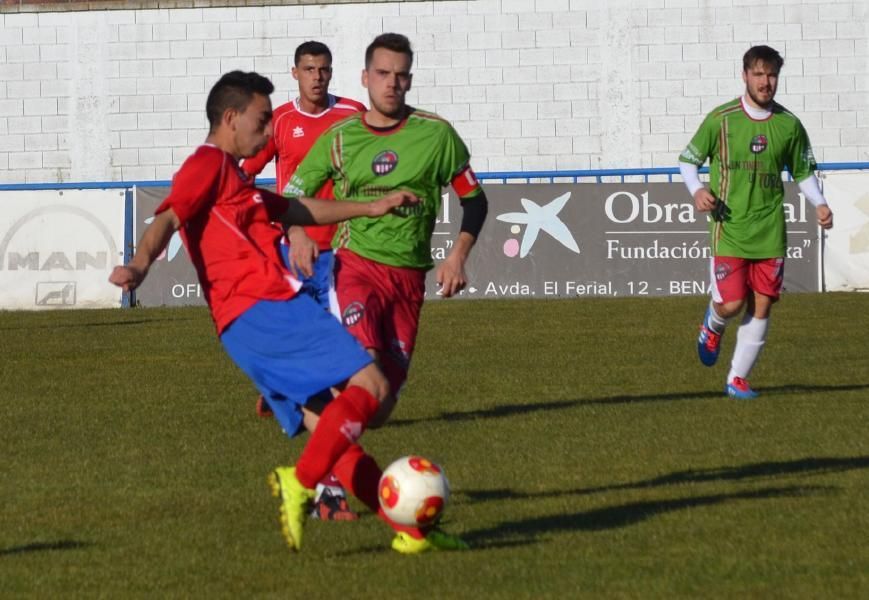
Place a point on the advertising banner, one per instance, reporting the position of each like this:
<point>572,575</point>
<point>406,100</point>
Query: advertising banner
<point>57,248</point>
<point>846,254</point>
<point>172,279</point>
<point>612,239</point>
<point>556,241</point>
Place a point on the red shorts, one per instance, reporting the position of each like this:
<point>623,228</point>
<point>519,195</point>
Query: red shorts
<point>732,277</point>
<point>379,305</point>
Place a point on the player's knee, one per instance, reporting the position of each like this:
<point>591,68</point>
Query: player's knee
<point>372,379</point>
<point>729,309</point>
<point>381,385</point>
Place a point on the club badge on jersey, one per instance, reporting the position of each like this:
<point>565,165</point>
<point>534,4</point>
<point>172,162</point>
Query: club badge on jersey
<point>384,163</point>
<point>352,314</point>
<point>758,144</point>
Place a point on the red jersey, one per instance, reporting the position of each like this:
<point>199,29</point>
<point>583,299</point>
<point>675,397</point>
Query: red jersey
<point>295,131</point>
<point>228,229</point>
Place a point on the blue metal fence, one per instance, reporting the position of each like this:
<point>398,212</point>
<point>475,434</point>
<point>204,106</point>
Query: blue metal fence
<point>643,175</point>
<point>622,175</point>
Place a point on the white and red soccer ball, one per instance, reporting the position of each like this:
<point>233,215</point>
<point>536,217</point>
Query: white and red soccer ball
<point>413,491</point>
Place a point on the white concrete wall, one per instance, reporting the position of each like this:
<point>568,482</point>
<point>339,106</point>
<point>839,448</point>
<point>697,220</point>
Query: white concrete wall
<point>530,84</point>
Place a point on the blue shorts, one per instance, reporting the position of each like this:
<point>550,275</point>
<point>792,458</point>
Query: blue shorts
<point>319,285</point>
<point>292,350</point>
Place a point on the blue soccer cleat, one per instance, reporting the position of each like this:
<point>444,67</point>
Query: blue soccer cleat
<point>708,343</point>
<point>738,388</point>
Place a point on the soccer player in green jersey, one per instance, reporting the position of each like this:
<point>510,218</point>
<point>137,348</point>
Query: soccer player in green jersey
<point>751,140</point>
<point>380,267</point>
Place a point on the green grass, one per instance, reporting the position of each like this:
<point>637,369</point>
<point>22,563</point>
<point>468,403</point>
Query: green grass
<point>590,455</point>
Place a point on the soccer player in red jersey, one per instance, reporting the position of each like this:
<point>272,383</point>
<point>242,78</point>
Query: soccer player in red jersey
<point>380,266</point>
<point>296,126</point>
<point>288,346</point>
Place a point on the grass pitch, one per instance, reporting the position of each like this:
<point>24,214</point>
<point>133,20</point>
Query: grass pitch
<point>590,455</point>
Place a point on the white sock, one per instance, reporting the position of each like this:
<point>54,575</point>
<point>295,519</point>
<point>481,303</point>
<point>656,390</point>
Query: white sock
<point>334,490</point>
<point>715,322</point>
<point>750,339</point>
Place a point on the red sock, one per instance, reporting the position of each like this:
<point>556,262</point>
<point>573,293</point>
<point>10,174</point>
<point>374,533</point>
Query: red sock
<point>340,425</point>
<point>359,474</point>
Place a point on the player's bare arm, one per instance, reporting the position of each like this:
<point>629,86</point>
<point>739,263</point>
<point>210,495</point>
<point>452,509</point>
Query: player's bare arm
<point>153,242</point>
<point>303,251</point>
<point>450,273</point>
<point>313,211</point>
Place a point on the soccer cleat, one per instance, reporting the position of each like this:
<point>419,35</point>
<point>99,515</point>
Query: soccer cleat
<point>434,540</point>
<point>708,343</point>
<point>738,388</point>
<point>295,504</point>
<point>263,409</point>
<point>332,506</point>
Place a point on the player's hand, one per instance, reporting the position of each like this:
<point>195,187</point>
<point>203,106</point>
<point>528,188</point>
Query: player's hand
<point>127,277</point>
<point>390,201</point>
<point>704,201</point>
<point>825,216</point>
<point>303,252</point>
<point>450,275</point>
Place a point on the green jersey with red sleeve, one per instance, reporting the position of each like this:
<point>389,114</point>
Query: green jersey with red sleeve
<point>748,157</point>
<point>421,154</point>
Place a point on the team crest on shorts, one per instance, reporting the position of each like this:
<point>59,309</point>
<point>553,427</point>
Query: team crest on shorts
<point>722,270</point>
<point>384,163</point>
<point>352,314</point>
<point>758,144</point>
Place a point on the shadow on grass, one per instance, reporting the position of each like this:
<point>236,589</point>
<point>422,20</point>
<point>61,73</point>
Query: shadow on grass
<point>89,325</point>
<point>510,410</point>
<point>528,531</point>
<point>803,466</point>
<point>44,547</point>
<point>522,532</point>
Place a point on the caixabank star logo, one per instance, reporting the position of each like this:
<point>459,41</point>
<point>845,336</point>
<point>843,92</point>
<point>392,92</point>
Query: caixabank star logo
<point>537,218</point>
<point>175,244</point>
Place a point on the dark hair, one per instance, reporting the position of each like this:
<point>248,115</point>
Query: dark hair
<point>314,49</point>
<point>234,90</point>
<point>390,41</point>
<point>764,54</point>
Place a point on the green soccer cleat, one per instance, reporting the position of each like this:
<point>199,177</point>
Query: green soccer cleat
<point>295,504</point>
<point>435,540</point>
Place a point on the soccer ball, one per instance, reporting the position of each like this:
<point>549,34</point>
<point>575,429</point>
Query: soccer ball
<point>413,491</point>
